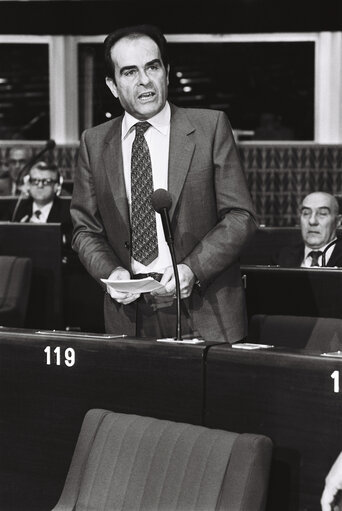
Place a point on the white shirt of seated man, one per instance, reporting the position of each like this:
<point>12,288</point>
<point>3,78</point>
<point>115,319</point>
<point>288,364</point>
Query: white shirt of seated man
<point>319,220</point>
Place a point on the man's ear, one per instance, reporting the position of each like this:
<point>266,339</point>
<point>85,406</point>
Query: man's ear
<point>339,221</point>
<point>112,87</point>
<point>167,73</point>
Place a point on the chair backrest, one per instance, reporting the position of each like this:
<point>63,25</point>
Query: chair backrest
<point>141,463</point>
<point>15,281</point>
<point>311,333</point>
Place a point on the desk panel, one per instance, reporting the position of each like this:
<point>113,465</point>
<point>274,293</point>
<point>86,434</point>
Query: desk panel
<point>267,242</point>
<point>289,397</point>
<point>293,291</point>
<point>42,405</point>
<point>43,244</point>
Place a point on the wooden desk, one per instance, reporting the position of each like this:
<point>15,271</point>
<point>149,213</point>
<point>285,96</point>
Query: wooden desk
<point>293,291</point>
<point>43,244</point>
<point>290,398</point>
<point>42,406</point>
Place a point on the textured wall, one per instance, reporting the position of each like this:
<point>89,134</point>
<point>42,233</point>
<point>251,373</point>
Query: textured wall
<point>279,176</point>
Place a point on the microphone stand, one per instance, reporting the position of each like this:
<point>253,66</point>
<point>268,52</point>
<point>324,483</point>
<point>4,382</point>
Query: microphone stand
<point>169,240</point>
<point>178,294</point>
<point>161,203</point>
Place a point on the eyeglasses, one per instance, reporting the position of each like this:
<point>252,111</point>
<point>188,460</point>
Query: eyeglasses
<point>43,182</point>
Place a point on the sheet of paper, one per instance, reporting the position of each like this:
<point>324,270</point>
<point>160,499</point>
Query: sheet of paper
<point>134,286</point>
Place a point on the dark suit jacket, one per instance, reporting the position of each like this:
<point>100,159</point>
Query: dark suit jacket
<point>59,213</point>
<point>212,216</point>
<point>292,256</point>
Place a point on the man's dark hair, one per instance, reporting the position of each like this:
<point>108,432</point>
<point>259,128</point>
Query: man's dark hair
<point>42,165</point>
<point>133,32</point>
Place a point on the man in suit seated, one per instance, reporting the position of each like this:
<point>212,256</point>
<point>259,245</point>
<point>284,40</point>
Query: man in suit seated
<point>18,157</point>
<point>42,186</point>
<point>319,220</point>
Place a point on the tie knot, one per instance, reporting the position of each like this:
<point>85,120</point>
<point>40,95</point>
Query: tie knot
<point>37,213</point>
<point>315,254</point>
<point>141,127</point>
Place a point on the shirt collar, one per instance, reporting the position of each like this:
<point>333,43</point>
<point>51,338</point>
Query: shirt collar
<point>160,121</point>
<point>44,208</point>
<point>308,250</point>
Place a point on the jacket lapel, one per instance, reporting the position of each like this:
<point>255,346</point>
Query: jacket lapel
<point>181,150</point>
<point>113,163</point>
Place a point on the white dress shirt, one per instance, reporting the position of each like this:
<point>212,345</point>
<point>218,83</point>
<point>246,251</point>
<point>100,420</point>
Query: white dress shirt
<point>44,213</point>
<point>158,141</point>
<point>306,263</point>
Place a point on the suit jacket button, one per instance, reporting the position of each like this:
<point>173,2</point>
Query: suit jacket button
<point>127,245</point>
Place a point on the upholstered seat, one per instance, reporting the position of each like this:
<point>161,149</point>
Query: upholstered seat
<point>311,333</point>
<point>128,462</point>
<point>15,280</point>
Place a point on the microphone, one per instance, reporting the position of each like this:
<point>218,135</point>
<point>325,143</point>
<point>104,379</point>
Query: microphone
<point>327,248</point>
<point>50,144</point>
<point>161,203</point>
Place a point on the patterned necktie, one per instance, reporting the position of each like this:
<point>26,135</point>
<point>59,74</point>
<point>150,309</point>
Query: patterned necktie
<point>315,254</point>
<point>143,219</point>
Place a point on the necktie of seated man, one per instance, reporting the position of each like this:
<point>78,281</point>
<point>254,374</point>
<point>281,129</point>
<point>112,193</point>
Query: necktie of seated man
<point>315,254</point>
<point>36,216</point>
<point>143,218</point>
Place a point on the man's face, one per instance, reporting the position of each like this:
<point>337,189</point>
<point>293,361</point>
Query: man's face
<point>17,159</point>
<point>140,75</point>
<point>319,220</point>
<point>42,186</point>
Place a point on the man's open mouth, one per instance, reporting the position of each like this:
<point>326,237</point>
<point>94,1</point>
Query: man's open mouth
<point>146,95</point>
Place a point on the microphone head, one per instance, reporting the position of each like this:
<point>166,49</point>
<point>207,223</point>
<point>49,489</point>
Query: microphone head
<point>50,144</point>
<point>161,199</point>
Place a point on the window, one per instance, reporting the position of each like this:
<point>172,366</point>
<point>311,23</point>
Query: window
<point>266,89</point>
<point>24,92</point>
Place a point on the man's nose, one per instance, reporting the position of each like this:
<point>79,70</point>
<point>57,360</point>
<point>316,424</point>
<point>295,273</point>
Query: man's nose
<point>144,78</point>
<point>313,219</point>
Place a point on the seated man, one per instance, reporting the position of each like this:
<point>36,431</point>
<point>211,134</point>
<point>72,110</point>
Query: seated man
<point>18,157</point>
<point>319,220</point>
<point>43,185</point>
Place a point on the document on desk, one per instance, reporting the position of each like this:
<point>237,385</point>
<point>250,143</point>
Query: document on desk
<point>134,286</point>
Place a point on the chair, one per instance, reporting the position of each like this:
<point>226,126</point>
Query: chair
<point>15,280</point>
<point>140,463</point>
<point>311,333</point>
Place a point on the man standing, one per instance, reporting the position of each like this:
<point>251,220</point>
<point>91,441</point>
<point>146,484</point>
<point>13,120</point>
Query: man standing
<point>319,219</point>
<point>192,154</point>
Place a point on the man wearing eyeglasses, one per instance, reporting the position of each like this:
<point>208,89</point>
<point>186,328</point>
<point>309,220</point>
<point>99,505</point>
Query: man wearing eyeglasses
<point>42,186</point>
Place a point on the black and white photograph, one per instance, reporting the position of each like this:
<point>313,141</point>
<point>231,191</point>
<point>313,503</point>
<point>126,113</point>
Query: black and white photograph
<point>170,255</point>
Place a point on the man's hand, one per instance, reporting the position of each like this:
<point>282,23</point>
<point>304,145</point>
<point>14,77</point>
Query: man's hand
<point>333,483</point>
<point>125,298</point>
<point>186,282</point>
